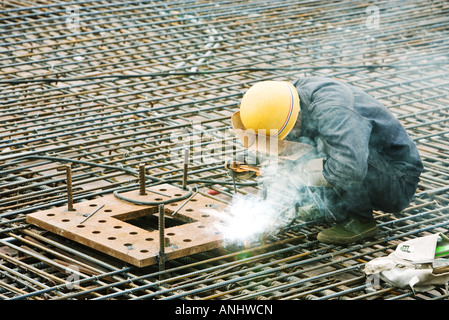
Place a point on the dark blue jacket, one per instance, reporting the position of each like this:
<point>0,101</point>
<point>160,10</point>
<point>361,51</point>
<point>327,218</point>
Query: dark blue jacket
<point>350,123</point>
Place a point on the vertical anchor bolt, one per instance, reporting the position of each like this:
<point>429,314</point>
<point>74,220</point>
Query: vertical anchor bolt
<point>161,239</point>
<point>142,191</point>
<point>186,165</point>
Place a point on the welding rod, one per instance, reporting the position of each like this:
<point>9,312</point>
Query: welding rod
<point>90,215</point>
<point>233,181</point>
<point>185,202</point>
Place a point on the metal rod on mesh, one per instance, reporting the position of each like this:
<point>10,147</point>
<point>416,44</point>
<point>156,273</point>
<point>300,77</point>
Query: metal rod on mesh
<point>186,166</point>
<point>142,191</point>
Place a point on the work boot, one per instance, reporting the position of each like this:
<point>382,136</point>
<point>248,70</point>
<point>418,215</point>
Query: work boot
<point>348,231</point>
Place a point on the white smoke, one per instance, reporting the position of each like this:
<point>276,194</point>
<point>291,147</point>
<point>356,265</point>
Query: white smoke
<point>251,217</point>
<point>248,218</point>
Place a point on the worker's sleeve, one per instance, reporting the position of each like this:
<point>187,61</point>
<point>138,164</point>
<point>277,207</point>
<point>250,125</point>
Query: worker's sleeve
<point>345,135</point>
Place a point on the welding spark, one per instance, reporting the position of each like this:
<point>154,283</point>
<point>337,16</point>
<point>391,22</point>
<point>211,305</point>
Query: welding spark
<point>248,219</point>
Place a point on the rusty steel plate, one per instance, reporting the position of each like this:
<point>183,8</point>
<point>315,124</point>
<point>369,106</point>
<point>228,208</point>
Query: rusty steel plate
<point>109,229</point>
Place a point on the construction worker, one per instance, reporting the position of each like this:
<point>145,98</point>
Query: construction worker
<point>366,159</point>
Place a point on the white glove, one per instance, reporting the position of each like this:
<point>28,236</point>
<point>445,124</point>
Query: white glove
<point>313,173</point>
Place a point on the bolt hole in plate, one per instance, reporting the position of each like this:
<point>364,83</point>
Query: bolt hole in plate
<point>129,232</point>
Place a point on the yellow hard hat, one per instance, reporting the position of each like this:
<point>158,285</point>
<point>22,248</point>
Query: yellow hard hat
<point>270,108</point>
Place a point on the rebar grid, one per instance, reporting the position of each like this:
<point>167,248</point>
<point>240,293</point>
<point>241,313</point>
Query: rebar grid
<point>107,127</point>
